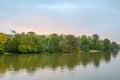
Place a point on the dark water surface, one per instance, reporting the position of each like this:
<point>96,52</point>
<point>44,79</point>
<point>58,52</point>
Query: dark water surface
<point>75,66</point>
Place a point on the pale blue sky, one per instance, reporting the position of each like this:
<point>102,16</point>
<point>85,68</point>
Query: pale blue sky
<point>62,16</point>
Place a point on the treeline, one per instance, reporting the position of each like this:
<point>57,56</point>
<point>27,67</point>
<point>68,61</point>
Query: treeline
<point>31,42</point>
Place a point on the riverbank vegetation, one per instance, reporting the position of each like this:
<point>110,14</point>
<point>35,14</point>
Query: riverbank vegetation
<point>31,42</point>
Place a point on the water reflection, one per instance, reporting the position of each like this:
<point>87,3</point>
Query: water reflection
<point>32,62</point>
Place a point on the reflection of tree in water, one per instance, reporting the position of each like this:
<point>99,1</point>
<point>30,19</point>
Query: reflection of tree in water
<point>32,62</point>
<point>115,54</point>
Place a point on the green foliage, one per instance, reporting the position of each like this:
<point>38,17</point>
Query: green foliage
<point>107,44</point>
<point>3,40</point>
<point>95,37</point>
<point>53,43</point>
<point>99,45</point>
<point>43,44</point>
<point>2,49</point>
<point>68,43</point>
<point>31,42</point>
<point>86,43</point>
<point>114,46</point>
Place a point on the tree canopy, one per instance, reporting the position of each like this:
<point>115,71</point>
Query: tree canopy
<point>31,42</point>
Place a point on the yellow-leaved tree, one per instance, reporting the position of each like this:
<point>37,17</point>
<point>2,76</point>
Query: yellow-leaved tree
<point>3,40</point>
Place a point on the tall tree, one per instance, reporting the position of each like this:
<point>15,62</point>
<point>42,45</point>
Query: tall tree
<point>107,44</point>
<point>95,37</point>
<point>53,43</point>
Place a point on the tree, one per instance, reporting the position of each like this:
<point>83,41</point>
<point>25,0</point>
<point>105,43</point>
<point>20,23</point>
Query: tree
<point>12,43</point>
<point>43,44</point>
<point>99,45</point>
<point>53,43</point>
<point>86,43</point>
<point>95,39</point>
<point>107,45</point>
<point>78,46</point>
<point>31,42</point>
<point>114,46</point>
<point>68,43</point>
<point>23,46</point>
<point>3,40</point>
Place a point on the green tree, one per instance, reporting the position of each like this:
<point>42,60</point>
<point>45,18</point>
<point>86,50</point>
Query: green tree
<point>53,43</point>
<point>43,44</point>
<point>24,46</point>
<point>114,46</point>
<point>12,43</point>
<point>68,43</point>
<point>99,45</point>
<point>107,45</point>
<point>86,43</point>
<point>95,39</point>
<point>31,42</point>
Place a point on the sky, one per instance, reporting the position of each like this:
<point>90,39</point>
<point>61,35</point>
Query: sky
<point>76,17</point>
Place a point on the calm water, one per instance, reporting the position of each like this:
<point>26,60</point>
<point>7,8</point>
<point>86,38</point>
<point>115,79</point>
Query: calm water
<point>84,66</point>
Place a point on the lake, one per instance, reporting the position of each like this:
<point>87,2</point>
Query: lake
<point>68,66</point>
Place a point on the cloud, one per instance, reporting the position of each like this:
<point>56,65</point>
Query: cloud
<point>42,25</point>
<point>62,16</point>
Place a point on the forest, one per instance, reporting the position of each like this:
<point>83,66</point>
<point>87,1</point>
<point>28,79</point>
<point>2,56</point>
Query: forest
<point>31,42</point>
